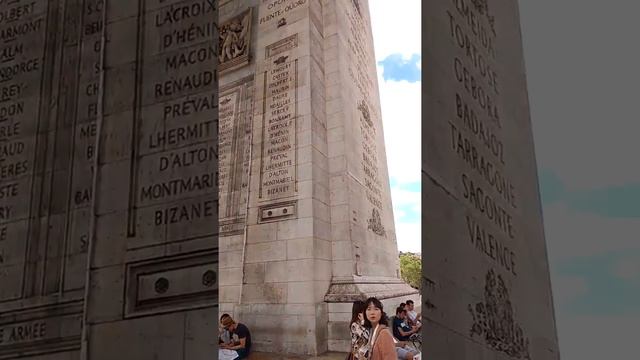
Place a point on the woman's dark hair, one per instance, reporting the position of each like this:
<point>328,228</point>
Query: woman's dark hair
<point>375,302</point>
<point>358,308</point>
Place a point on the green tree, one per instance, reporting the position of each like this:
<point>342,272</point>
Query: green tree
<point>411,269</point>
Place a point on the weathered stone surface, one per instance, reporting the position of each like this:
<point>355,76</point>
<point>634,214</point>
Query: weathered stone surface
<point>486,288</point>
<point>307,220</point>
<point>108,162</point>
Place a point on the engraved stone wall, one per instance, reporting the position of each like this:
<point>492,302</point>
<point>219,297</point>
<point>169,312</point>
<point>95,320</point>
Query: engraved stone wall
<point>42,242</point>
<point>487,267</point>
<point>108,161</point>
<point>154,259</point>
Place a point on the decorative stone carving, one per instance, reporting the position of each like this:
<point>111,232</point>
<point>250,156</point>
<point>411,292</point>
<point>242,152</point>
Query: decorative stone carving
<point>375,223</point>
<point>493,320</point>
<point>281,60</point>
<point>235,41</point>
<point>209,278</point>
<point>364,109</point>
<point>162,285</point>
<point>356,4</point>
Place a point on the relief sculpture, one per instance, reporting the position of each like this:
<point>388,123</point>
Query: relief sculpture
<point>493,319</point>
<point>375,223</point>
<point>364,109</point>
<point>235,35</point>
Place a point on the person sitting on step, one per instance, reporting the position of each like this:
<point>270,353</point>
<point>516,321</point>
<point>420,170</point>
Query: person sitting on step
<point>412,316</point>
<point>401,329</point>
<point>241,337</point>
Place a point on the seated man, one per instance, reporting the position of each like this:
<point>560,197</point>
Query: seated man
<point>237,331</point>
<point>413,316</point>
<point>224,337</point>
<point>404,351</point>
<point>401,330</point>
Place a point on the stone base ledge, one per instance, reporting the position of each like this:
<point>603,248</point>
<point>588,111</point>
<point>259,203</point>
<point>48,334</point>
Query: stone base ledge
<point>361,288</point>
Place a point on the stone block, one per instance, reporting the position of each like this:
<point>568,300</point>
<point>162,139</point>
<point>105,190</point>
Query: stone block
<point>267,251</point>
<point>275,271</point>
<point>300,293</point>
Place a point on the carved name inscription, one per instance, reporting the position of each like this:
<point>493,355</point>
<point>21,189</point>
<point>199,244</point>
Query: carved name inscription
<point>228,113</point>
<point>234,148</point>
<point>279,133</point>
<point>476,142</point>
<point>18,333</point>
<point>22,24</point>
<point>87,105</point>
<point>361,56</point>
<point>359,70</point>
<point>476,139</point>
<point>47,332</point>
<point>276,10</point>
<point>179,25</point>
<point>369,162</point>
<point>176,174</point>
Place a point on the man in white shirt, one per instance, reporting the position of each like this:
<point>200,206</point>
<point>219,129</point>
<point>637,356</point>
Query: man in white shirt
<point>414,317</point>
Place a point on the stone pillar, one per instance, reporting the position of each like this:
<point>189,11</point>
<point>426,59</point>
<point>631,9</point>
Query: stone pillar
<point>153,261</point>
<point>487,290</point>
<point>43,203</point>
<point>108,119</point>
<point>365,252</point>
<point>319,229</point>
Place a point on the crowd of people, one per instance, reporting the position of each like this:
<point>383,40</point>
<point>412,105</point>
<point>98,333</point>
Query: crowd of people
<point>370,335</point>
<point>371,338</point>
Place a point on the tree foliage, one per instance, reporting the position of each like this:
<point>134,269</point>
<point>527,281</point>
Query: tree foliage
<point>411,269</point>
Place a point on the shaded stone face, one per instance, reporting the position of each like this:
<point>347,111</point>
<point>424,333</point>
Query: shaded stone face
<point>307,223</point>
<point>108,167</point>
<point>486,283</point>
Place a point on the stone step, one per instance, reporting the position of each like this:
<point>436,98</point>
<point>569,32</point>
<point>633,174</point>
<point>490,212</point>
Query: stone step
<point>270,356</point>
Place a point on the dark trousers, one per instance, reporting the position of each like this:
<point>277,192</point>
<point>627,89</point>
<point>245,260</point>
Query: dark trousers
<point>242,353</point>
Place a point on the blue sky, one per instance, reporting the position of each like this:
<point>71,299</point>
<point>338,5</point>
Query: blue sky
<point>397,68</point>
<point>608,281</point>
<point>399,81</point>
<point>594,254</point>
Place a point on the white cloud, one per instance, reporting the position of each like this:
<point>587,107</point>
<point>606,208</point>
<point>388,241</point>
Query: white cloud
<point>408,233</point>
<point>417,207</point>
<point>398,214</point>
<point>397,27</point>
<point>400,103</point>
<point>571,234</point>
<point>408,236</point>
<point>568,288</point>
<point>598,337</point>
<point>403,199</point>
<point>401,106</point>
